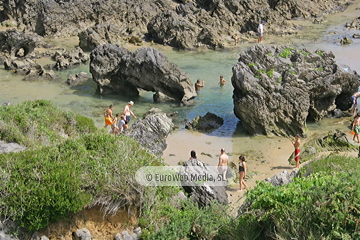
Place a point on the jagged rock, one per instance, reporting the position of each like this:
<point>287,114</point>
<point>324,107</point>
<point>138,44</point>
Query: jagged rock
<point>282,178</point>
<point>203,195</point>
<point>4,236</point>
<point>30,69</point>
<point>345,41</point>
<point>79,78</point>
<point>276,89</point>
<point>69,58</point>
<point>191,24</point>
<point>101,34</point>
<point>19,44</point>
<point>355,24</point>
<point>356,36</point>
<point>117,70</point>
<point>7,103</point>
<point>82,234</point>
<point>209,122</point>
<point>152,130</point>
<point>10,147</point>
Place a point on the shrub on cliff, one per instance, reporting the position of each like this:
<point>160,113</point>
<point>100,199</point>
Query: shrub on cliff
<point>33,123</point>
<point>323,205</point>
<point>43,185</point>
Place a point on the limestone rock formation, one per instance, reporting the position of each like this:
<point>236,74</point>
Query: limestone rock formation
<point>208,123</point>
<point>117,70</point>
<point>18,44</point>
<point>276,89</point>
<point>184,24</point>
<point>69,58</point>
<point>78,78</point>
<point>10,147</point>
<point>204,195</point>
<point>152,130</point>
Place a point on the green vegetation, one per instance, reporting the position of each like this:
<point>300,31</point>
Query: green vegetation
<point>319,69</point>
<point>187,221</point>
<point>252,64</point>
<point>319,52</point>
<point>270,73</point>
<point>293,72</point>
<point>323,203</point>
<point>46,184</point>
<point>303,52</point>
<point>286,53</point>
<point>33,123</point>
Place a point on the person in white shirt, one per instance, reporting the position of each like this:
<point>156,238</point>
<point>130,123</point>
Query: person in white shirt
<point>261,31</point>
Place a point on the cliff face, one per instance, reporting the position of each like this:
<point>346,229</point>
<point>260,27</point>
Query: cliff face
<point>185,24</point>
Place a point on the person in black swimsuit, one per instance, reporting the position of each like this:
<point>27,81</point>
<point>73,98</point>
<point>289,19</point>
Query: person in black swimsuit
<point>242,172</point>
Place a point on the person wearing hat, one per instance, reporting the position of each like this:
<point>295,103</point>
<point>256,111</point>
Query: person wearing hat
<point>261,31</point>
<point>127,112</point>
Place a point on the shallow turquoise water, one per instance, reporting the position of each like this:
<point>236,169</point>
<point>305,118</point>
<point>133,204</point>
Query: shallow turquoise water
<point>204,65</point>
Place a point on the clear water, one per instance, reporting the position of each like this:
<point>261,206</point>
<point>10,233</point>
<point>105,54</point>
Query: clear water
<point>205,65</point>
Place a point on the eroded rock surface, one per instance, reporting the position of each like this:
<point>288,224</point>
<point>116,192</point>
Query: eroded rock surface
<point>276,89</point>
<point>117,70</point>
<point>152,130</point>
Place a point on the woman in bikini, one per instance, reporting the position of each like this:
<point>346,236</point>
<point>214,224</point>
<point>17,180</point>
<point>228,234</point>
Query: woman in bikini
<point>242,172</point>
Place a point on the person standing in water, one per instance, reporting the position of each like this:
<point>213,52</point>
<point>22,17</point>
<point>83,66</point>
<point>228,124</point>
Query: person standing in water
<point>198,86</point>
<point>261,31</point>
<point>242,172</point>
<point>296,144</point>
<point>222,81</point>
<point>109,119</point>
<point>236,39</point>
<point>223,162</point>
<point>127,112</point>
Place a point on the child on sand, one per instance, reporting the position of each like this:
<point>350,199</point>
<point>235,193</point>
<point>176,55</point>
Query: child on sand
<point>296,144</point>
<point>114,127</point>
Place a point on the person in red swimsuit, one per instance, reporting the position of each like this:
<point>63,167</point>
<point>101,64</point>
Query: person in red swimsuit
<point>296,144</point>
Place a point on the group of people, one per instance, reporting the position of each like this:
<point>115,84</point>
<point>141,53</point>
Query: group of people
<point>199,85</point>
<point>224,160</point>
<point>119,122</point>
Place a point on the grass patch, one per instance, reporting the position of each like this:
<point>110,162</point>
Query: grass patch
<point>270,73</point>
<point>34,123</point>
<point>286,53</point>
<point>323,205</point>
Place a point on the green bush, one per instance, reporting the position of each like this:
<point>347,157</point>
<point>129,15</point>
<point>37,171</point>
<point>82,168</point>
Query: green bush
<point>324,205</point>
<point>286,53</point>
<point>33,123</point>
<point>47,184</point>
<point>270,73</point>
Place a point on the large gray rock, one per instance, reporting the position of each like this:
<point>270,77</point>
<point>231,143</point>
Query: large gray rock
<point>282,178</point>
<point>18,44</point>
<point>69,58</point>
<point>117,70</point>
<point>208,123</point>
<point>10,147</point>
<point>152,130</point>
<point>203,195</point>
<point>276,89</point>
<point>82,234</point>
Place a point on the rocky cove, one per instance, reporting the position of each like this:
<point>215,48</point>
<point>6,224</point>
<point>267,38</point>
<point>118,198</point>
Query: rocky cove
<point>204,65</point>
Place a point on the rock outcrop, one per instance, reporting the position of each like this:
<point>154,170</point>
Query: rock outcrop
<point>208,123</point>
<point>276,89</point>
<point>18,44</point>
<point>117,70</point>
<point>183,24</point>
<point>152,130</point>
<point>69,58</point>
<point>204,195</point>
<point>10,147</point>
<point>78,78</point>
